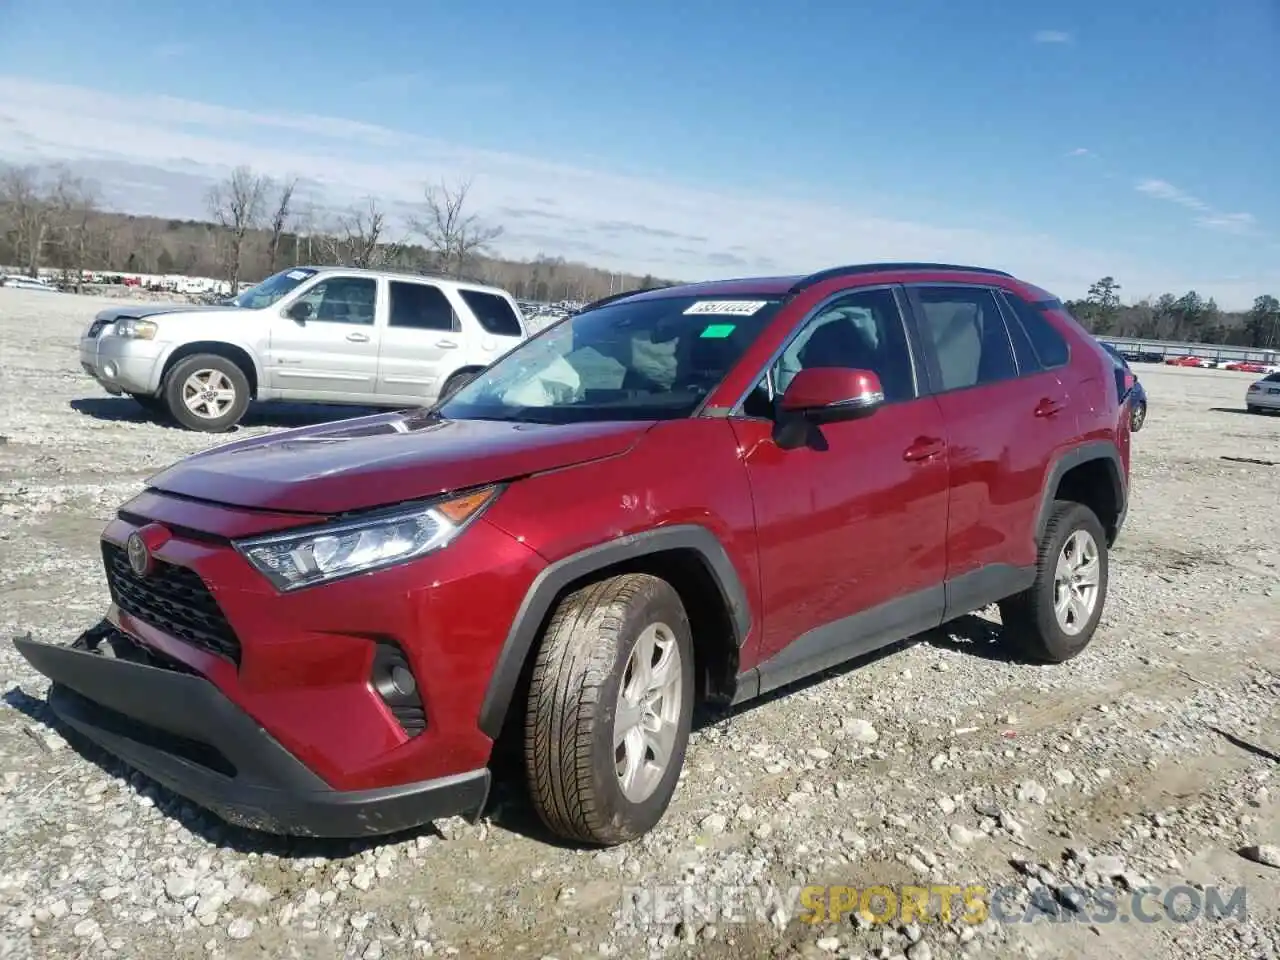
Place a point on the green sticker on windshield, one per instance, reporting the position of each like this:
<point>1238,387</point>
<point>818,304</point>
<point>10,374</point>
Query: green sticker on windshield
<point>718,331</point>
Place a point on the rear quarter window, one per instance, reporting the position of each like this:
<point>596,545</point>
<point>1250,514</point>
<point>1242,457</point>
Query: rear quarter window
<point>495,313</point>
<point>1050,346</point>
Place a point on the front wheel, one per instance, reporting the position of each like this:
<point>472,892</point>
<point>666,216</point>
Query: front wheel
<point>206,392</point>
<point>1055,618</point>
<point>610,705</point>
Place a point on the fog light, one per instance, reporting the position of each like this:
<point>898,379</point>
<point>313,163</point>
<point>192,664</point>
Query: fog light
<point>109,369</point>
<point>393,680</point>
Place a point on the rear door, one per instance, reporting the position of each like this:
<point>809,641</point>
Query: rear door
<point>421,345</point>
<point>333,354</point>
<point>1007,417</point>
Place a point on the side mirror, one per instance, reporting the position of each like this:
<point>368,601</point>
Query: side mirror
<point>300,310</point>
<point>833,394</point>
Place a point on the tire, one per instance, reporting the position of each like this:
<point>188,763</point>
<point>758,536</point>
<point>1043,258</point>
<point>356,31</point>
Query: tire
<point>220,374</point>
<point>1032,626</point>
<point>457,380</point>
<point>1253,409</point>
<point>1137,417</point>
<point>583,674</point>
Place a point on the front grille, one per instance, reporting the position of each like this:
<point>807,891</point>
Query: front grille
<point>173,599</point>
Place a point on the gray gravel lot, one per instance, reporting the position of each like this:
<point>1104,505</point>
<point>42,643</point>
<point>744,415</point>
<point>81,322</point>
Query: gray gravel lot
<point>1151,759</point>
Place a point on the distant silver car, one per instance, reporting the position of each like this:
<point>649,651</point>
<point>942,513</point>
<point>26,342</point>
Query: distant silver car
<point>314,334</point>
<point>1264,395</point>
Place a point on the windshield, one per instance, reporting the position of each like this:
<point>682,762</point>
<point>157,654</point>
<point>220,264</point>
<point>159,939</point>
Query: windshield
<point>272,289</point>
<point>637,360</point>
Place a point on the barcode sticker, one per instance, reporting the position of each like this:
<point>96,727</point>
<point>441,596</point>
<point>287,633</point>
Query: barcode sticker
<point>727,308</point>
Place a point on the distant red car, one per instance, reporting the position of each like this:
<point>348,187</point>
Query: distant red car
<point>1187,361</point>
<point>1246,366</point>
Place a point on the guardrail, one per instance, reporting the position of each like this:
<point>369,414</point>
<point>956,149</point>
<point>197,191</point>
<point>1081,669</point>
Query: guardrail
<point>1161,350</point>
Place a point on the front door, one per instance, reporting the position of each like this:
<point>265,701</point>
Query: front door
<point>851,527</point>
<point>332,354</point>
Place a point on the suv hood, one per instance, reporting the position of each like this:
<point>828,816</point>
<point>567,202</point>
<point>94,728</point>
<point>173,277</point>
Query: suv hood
<point>112,314</point>
<point>385,459</point>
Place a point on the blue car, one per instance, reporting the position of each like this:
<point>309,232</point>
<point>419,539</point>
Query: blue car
<point>1137,393</point>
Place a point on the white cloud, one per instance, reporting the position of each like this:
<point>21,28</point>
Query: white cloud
<point>1051,36</point>
<point>1164,190</point>
<point>1082,152</point>
<point>171,51</point>
<point>1237,223</point>
<point>1209,218</point>
<point>158,154</point>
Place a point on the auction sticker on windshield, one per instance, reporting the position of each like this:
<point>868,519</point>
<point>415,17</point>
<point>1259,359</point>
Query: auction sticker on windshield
<point>730,308</point>
<point>298,274</point>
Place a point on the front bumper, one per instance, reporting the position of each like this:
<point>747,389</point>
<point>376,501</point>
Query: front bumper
<point>177,728</point>
<point>122,365</point>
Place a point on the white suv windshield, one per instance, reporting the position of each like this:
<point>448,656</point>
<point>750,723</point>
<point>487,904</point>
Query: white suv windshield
<point>272,289</point>
<point>632,360</point>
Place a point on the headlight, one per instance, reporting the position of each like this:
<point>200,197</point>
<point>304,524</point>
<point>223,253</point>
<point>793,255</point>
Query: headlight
<point>136,329</point>
<point>306,557</point>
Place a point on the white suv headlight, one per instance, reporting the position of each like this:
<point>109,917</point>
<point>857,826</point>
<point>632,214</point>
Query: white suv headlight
<point>303,558</point>
<point>136,329</point>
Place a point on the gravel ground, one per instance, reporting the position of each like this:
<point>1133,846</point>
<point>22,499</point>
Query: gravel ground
<point>1151,759</point>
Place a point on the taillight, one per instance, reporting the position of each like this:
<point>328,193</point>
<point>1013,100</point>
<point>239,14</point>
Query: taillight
<point>1253,387</point>
<point>1129,381</point>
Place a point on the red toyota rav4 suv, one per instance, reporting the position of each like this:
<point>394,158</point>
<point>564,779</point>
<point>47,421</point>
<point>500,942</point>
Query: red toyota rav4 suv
<point>684,495</point>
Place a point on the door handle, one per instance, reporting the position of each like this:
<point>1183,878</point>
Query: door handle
<point>1048,407</point>
<point>925,448</point>
<point>446,344</point>
<point>358,337</point>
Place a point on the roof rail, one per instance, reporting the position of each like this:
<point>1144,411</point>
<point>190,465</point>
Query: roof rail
<point>619,296</point>
<point>858,268</point>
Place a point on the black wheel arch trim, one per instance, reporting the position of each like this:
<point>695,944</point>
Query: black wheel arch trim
<point>1104,450</point>
<point>555,577</point>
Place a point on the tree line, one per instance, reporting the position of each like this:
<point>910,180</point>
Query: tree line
<point>53,219</point>
<point>1189,317</point>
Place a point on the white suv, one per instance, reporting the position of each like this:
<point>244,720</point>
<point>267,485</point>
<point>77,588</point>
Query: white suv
<point>322,334</point>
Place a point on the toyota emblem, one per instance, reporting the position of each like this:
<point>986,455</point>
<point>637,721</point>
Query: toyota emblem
<point>139,555</point>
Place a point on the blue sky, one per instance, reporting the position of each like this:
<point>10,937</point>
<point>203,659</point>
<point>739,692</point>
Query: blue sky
<point>1129,137</point>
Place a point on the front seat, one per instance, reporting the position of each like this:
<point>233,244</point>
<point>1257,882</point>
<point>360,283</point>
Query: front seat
<point>840,343</point>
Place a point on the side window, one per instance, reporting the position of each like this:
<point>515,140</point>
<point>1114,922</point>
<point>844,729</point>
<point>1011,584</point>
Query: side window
<point>968,335</point>
<point>493,312</point>
<point>343,300</point>
<point>1049,344</point>
<point>420,306</point>
<point>863,331</point>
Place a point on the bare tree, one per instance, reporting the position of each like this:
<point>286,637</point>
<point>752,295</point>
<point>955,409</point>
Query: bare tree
<point>74,222</point>
<point>236,205</point>
<point>357,238</point>
<point>280,220</point>
<point>453,237</point>
<point>26,212</point>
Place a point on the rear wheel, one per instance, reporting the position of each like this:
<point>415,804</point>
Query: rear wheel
<point>1055,618</point>
<point>1138,417</point>
<point>206,392</point>
<point>457,381</point>
<point>610,704</point>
